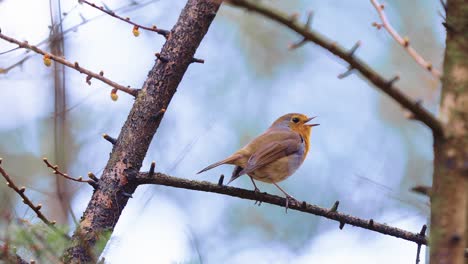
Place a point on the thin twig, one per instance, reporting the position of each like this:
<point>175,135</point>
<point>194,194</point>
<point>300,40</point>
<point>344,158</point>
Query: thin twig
<point>404,42</point>
<point>162,179</point>
<point>380,82</point>
<point>56,171</point>
<point>162,32</point>
<point>109,138</point>
<point>76,66</point>
<point>418,251</point>
<point>307,25</point>
<point>125,8</point>
<point>196,60</point>
<point>26,200</point>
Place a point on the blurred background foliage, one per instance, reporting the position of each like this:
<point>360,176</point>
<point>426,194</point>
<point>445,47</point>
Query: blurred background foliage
<point>365,153</point>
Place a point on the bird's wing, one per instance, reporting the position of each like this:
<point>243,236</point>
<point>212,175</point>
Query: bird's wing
<point>272,152</point>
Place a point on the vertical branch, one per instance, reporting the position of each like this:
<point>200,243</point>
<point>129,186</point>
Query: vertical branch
<point>449,199</point>
<point>57,48</point>
<point>115,184</point>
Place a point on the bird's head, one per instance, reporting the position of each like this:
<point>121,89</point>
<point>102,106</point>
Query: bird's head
<point>296,122</point>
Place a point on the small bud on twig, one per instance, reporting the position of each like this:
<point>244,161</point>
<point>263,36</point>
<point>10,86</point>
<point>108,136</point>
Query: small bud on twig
<point>334,208</point>
<point>151,170</point>
<point>47,60</point>
<point>342,224</point>
<point>114,95</point>
<point>88,79</point>
<point>221,179</point>
<point>93,177</point>
<point>135,31</point>
<point>109,138</point>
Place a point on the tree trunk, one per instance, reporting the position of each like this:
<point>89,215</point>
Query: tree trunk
<point>117,180</point>
<point>448,236</point>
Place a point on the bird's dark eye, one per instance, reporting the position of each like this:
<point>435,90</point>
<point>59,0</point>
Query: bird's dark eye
<point>295,120</point>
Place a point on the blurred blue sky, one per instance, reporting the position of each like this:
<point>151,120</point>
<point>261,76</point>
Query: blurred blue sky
<point>364,154</point>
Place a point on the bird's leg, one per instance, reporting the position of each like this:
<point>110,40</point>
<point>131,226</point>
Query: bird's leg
<point>256,190</point>
<point>289,198</point>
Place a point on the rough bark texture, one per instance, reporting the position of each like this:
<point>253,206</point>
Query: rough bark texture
<point>110,198</point>
<point>450,187</point>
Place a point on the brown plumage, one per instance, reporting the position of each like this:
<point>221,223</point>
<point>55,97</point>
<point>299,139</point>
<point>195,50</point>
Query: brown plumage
<point>274,155</point>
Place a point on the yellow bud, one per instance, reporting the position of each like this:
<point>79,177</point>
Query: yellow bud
<point>114,96</point>
<point>135,31</point>
<point>47,60</point>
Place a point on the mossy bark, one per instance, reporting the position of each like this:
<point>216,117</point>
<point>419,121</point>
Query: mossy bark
<point>449,206</point>
<point>109,200</point>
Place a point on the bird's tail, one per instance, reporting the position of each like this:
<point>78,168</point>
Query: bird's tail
<point>228,160</point>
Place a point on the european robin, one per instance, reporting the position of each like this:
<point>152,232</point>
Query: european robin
<point>274,155</point>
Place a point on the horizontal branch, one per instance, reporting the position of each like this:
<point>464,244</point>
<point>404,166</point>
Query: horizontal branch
<point>404,42</point>
<point>75,66</point>
<point>380,82</point>
<point>162,32</point>
<point>333,214</point>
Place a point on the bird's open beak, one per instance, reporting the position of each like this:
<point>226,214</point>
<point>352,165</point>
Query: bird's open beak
<point>311,125</point>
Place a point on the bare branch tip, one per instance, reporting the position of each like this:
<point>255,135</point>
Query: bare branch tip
<point>109,138</point>
<point>346,73</point>
<point>161,58</point>
<point>88,79</point>
<point>393,80</point>
<point>423,230</point>
<point>151,170</point>
<point>424,190</point>
<point>195,60</point>
<point>310,16</point>
<point>354,48</point>
<point>93,177</point>
<point>342,224</point>
<point>334,208</point>
<point>221,180</point>
<point>298,44</point>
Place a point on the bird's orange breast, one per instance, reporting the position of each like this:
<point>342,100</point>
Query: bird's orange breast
<point>304,132</point>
